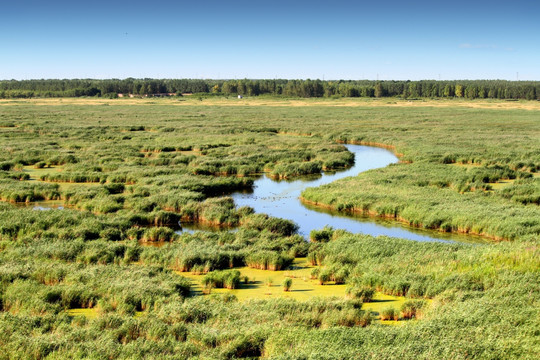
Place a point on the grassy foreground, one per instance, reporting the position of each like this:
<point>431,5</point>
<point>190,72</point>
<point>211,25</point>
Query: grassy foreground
<point>78,283</point>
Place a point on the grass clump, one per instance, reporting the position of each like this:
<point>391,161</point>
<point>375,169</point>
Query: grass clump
<point>266,260</point>
<point>389,313</point>
<point>412,308</point>
<point>364,294</point>
<point>159,234</point>
<point>229,279</point>
<point>323,235</point>
<point>287,283</point>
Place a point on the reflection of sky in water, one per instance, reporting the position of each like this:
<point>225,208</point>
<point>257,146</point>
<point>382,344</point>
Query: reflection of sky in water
<point>194,227</point>
<point>43,205</point>
<point>280,199</point>
<point>44,208</point>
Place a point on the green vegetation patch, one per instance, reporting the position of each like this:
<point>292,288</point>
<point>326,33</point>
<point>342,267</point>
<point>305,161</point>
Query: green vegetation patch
<point>83,283</point>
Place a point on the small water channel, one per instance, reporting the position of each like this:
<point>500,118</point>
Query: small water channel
<point>281,199</point>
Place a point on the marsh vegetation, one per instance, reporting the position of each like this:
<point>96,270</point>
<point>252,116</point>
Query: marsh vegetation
<point>82,282</point>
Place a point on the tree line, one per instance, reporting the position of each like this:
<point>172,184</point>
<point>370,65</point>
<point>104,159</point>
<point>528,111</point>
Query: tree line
<point>469,89</point>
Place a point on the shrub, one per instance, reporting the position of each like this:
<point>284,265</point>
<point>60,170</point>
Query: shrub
<point>158,234</point>
<point>389,313</point>
<point>364,294</point>
<point>229,279</point>
<point>411,308</point>
<point>340,276</point>
<point>275,225</point>
<point>287,283</point>
<point>323,235</point>
<point>268,260</point>
<point>324,277</point>
<point>365,319</point>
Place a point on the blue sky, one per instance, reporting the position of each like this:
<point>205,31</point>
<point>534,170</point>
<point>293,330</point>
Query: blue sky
<point>267,39</point>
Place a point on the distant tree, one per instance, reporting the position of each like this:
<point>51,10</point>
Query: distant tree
<point>413,90</point>
<point>241,88</point>
<point>252,88</point>
<point>495,89</point>
<point>142,89</point>
<point>482,93</point>
<point>329,89</point>
<point>471,92</point>
<point>379,91</point>
<point>367,91</point>
<point>448,91</point>
<point>434,90</point>
<point>459,90</point>
<point>531,93</point>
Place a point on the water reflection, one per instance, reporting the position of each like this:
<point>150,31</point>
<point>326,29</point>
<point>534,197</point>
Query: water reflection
<point>43,205</point>
<point>281,199</point>
<point>194,227</point>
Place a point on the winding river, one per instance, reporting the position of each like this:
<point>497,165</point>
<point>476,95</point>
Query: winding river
<point>281,199</point>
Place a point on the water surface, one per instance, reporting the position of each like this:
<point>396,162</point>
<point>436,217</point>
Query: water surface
<point>281,199</point>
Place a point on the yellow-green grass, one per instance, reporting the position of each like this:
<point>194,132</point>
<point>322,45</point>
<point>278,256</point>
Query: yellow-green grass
<point>190,152</point>
<point>467,165</point>
<point>35,175</point>
<point>283,102</point>
<point>90,313</point>
<point>303,287</point>
<point>66,185</point>
<point>381,302</point>
<point>501,184</point>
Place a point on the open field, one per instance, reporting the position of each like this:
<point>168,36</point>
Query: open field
<point>293,102</point>
<point>80,282</point>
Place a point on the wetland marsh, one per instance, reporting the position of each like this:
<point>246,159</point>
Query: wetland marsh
<point>80,281</point>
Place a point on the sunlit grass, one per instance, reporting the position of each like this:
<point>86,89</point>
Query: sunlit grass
<point>485,297</point>
<point>303,287</point>
<point>90,313</point>
<point>36,173</point>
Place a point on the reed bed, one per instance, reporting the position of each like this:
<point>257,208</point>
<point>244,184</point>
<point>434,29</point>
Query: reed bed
<point>128,173</point>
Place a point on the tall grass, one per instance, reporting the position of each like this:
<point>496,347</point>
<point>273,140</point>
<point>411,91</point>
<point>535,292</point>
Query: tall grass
<point>229,279</point>
<point>154,166</point>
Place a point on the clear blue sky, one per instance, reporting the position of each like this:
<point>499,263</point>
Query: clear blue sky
<point>266,39</point>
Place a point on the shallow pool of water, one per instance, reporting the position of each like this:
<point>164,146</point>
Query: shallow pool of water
<point>43,205</point>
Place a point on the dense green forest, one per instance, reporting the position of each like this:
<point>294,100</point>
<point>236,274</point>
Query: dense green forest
<point>104,272</point>
<point>469,89</point>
